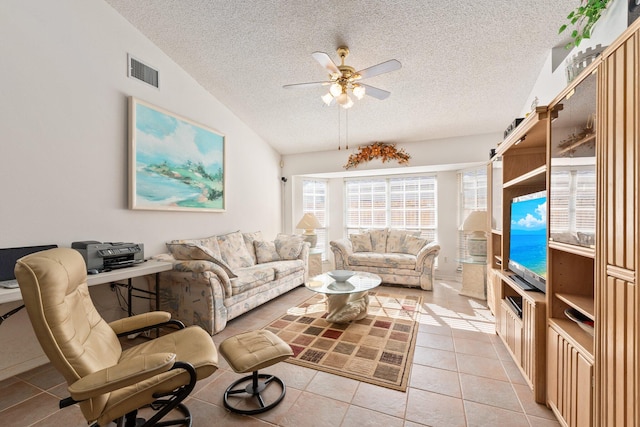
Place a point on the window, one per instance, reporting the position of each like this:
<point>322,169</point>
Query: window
<point>473,197</point>
<point>408,203</point>
<point>573,192</point>
<point>314,200</point>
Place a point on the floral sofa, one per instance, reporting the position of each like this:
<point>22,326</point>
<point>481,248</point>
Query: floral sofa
<point>397,256</point>
<point>218,278</point>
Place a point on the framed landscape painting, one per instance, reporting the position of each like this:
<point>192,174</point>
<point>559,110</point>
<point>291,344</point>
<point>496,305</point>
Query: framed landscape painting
<point>174,163</point>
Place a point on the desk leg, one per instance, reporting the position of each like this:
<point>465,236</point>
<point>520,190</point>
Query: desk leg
<point>129,292</point>
<point>157,299</point>
<point>157,291</point>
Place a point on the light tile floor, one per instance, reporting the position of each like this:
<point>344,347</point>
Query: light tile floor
<point>461,376</point>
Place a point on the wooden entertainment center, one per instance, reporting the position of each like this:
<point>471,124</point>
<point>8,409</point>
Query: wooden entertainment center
<point>583,151</point>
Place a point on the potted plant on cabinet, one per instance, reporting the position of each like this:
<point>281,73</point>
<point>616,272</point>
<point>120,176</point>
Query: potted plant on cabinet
<point>584,18</point>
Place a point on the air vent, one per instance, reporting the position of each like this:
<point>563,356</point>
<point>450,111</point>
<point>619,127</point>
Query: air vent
<point>143,72</point>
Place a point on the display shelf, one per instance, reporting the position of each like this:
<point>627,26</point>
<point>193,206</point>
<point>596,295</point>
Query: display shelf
<point>584,304</point>
<point>573,249</point>
<point>536,177</point>
<point>578,143</point>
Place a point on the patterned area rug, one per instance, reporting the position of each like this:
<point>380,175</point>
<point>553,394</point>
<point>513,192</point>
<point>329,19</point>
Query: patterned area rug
<point>377,349</point>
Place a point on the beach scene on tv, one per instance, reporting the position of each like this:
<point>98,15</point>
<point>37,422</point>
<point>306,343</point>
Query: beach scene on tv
<point>529,234</point>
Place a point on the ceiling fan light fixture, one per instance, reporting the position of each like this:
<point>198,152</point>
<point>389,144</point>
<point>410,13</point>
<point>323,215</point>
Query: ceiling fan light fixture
<point>358,91</point>
<point>345,100</point>
<point>328,99</point>
<point>335,89</point>
<point>348,104</point>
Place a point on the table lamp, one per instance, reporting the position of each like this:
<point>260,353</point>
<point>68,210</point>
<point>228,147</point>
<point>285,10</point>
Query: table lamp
<point>476,225</point>
<point>309,223</point>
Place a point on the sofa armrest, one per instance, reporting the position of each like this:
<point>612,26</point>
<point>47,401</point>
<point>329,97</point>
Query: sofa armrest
<point>304,256</point>
<point>195,297</point>
<point>200,266</point>
<point>427,254</point>
<point>341,248</point>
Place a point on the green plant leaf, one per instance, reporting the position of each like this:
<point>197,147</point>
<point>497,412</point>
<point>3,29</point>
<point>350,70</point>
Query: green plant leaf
<point>583,18</point>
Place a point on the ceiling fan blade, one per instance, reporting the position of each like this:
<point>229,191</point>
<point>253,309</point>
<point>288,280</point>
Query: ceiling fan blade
<point>375,92</point>
<point>305,85</point>
<point>326,62</point>
<point>385,67</point>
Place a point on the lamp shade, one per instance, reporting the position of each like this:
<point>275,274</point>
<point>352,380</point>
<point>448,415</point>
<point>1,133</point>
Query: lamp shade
<point>475,221</point>
<point>309,222</point>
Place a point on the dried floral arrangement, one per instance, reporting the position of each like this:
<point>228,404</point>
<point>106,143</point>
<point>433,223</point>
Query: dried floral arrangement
<point>377,150</point>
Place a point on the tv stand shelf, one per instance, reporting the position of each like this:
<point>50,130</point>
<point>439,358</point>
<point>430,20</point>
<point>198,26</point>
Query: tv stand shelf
<point>523,336</point>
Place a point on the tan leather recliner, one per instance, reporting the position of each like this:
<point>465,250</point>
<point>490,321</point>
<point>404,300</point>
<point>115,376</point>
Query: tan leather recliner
<point>109,383</point>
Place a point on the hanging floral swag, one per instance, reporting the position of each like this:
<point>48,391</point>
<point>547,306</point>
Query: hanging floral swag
<point>377,150</point>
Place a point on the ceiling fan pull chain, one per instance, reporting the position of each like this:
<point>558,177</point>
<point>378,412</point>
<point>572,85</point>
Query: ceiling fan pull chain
<point>339,129</point>
<point>346,131</point>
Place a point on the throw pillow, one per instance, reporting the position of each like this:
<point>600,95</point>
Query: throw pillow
<point>412,245</point>
<point>266,251</point>
<point>210,243</point>
<point>395,240</point>
<point>361,242</point>
<point>379,240</point>
<point>193,252</point>
<point>289,246</point>
<point>234,251</point>
<point>249,238</point>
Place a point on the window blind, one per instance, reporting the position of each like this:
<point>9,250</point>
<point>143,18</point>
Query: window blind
<point>407,203</point>
<point>314,200</point>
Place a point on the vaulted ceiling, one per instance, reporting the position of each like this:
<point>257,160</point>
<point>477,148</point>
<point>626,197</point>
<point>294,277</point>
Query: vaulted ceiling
<point>467,66</point>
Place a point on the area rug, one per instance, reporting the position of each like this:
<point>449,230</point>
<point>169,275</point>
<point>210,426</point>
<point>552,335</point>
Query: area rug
<point>377,349</point>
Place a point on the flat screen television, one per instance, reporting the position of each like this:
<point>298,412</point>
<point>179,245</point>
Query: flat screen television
<point>528,241</point>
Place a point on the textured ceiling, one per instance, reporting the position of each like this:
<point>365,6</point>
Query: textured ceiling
<point>467,67</point>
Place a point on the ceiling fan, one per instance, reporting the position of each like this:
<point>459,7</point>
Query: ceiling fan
<point>345,80</point>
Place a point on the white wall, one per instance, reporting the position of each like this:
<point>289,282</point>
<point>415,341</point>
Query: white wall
<point>551,82</point>
<point>442,156</point>
<point>63,155</point>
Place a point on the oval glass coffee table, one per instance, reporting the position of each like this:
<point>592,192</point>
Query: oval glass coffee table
<point>348,300</point>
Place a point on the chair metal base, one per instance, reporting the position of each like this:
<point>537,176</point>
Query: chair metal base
<point>253,389</point>
<point>132,420</point>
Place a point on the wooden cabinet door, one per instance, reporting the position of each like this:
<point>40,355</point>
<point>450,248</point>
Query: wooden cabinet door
<point>569,381</point>
<point>554,342</point>
<point>617,297</point>
<point>583,392</point>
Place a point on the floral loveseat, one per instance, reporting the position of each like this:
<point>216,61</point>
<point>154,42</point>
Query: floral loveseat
<point>397,256</point>
<point>218,278</point>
